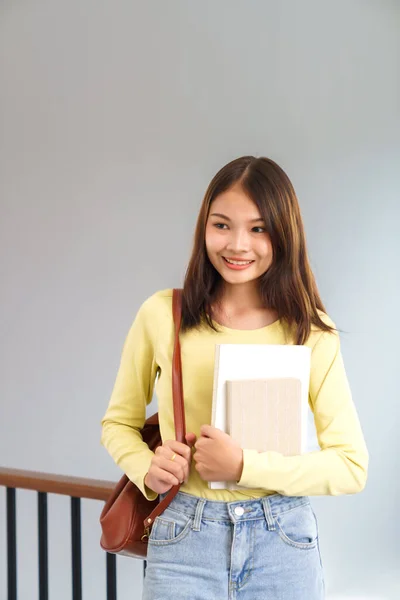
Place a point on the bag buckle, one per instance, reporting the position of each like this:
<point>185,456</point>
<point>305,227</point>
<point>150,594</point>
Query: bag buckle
<point>146,534</point>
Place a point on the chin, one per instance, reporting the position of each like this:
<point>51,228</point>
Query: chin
<point>239,280</point>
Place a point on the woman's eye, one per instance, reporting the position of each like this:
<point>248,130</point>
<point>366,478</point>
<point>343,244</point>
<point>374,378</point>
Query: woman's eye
<point>220,225</point>
<point>223,226</point>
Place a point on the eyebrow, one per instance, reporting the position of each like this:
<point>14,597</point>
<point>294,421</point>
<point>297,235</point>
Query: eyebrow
<point>228,219</point>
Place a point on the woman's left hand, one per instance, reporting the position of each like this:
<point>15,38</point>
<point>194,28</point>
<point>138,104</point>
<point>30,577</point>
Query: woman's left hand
<point>218,457</point>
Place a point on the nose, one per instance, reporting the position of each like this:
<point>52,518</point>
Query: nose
<point>239,241</point>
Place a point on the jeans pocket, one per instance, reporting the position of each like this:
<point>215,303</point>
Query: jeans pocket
<point>298,527</point>
<point>169,528</point>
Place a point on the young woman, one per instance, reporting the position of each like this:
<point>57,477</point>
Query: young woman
<point>248,281</point>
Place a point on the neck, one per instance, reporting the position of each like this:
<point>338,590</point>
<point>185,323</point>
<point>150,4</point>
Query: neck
<point>239,298</point>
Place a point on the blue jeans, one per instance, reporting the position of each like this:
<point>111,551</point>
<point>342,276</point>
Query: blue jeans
<point>265,549</point>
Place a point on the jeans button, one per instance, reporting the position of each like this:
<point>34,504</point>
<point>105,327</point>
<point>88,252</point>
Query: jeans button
<point>239,511</point>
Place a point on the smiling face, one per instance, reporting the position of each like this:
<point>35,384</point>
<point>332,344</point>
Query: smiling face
<point>237,242</point>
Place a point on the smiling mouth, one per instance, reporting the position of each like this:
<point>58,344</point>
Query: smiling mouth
<point>239,263</point>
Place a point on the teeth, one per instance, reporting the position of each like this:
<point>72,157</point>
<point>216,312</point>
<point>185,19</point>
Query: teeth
<point>238,262</point>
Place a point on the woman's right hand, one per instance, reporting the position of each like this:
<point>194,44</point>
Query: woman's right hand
<point>164,473</point>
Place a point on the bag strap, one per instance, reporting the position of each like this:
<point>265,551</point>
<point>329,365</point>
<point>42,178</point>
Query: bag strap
<point>177,384</point>
<point>179,409</point>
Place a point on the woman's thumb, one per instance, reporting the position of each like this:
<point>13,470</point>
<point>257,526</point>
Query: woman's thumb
<point>191,439</point>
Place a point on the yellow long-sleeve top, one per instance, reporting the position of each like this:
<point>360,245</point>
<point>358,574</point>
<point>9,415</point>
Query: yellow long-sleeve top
<point>339,467</point>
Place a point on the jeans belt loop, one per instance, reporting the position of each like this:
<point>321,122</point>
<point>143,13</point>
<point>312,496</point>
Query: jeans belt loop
<point>268,514</point>
<point>198,514</point>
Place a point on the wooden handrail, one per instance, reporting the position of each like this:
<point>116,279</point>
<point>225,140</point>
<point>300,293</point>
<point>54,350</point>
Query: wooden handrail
<point>77,487</point>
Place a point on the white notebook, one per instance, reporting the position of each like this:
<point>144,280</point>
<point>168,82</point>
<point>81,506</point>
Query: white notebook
<point>245,362</point>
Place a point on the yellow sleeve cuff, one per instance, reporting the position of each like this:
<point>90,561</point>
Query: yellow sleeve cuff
<point>250,474</point>
<point>138,473</point>
<point>150,495</point>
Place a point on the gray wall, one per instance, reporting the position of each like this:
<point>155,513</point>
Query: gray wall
<point>114,117</point>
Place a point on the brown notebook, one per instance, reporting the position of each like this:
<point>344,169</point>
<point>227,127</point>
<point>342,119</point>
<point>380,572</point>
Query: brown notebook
<point>265,414</point>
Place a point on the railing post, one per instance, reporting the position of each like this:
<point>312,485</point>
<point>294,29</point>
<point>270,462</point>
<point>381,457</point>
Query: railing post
<point>76,549</point>
<point>11,545</point>
<point>111,563</point>
<point>43,546</point>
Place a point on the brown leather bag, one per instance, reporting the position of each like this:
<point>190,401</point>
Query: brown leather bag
<point>127,516</point>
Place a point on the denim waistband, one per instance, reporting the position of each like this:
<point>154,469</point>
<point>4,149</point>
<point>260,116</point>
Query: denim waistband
<point>215,510</point>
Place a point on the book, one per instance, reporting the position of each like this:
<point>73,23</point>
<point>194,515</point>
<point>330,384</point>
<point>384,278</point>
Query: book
<point>265,414</point>
<point>278,372</point>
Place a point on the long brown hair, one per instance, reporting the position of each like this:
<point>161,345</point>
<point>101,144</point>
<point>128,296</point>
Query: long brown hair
<point>288,286</point>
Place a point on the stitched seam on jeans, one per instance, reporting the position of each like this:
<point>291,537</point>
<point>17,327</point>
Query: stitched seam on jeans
<point>249,571</point>
<point>300,545</point>
<point>178,538</point>
<point>179,512</point>
<point>284,512</point>
<point>261,518</point>
<point>169,524</point>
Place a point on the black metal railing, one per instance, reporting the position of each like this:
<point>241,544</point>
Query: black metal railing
<point>43,544</point>
<point>43,483</point>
